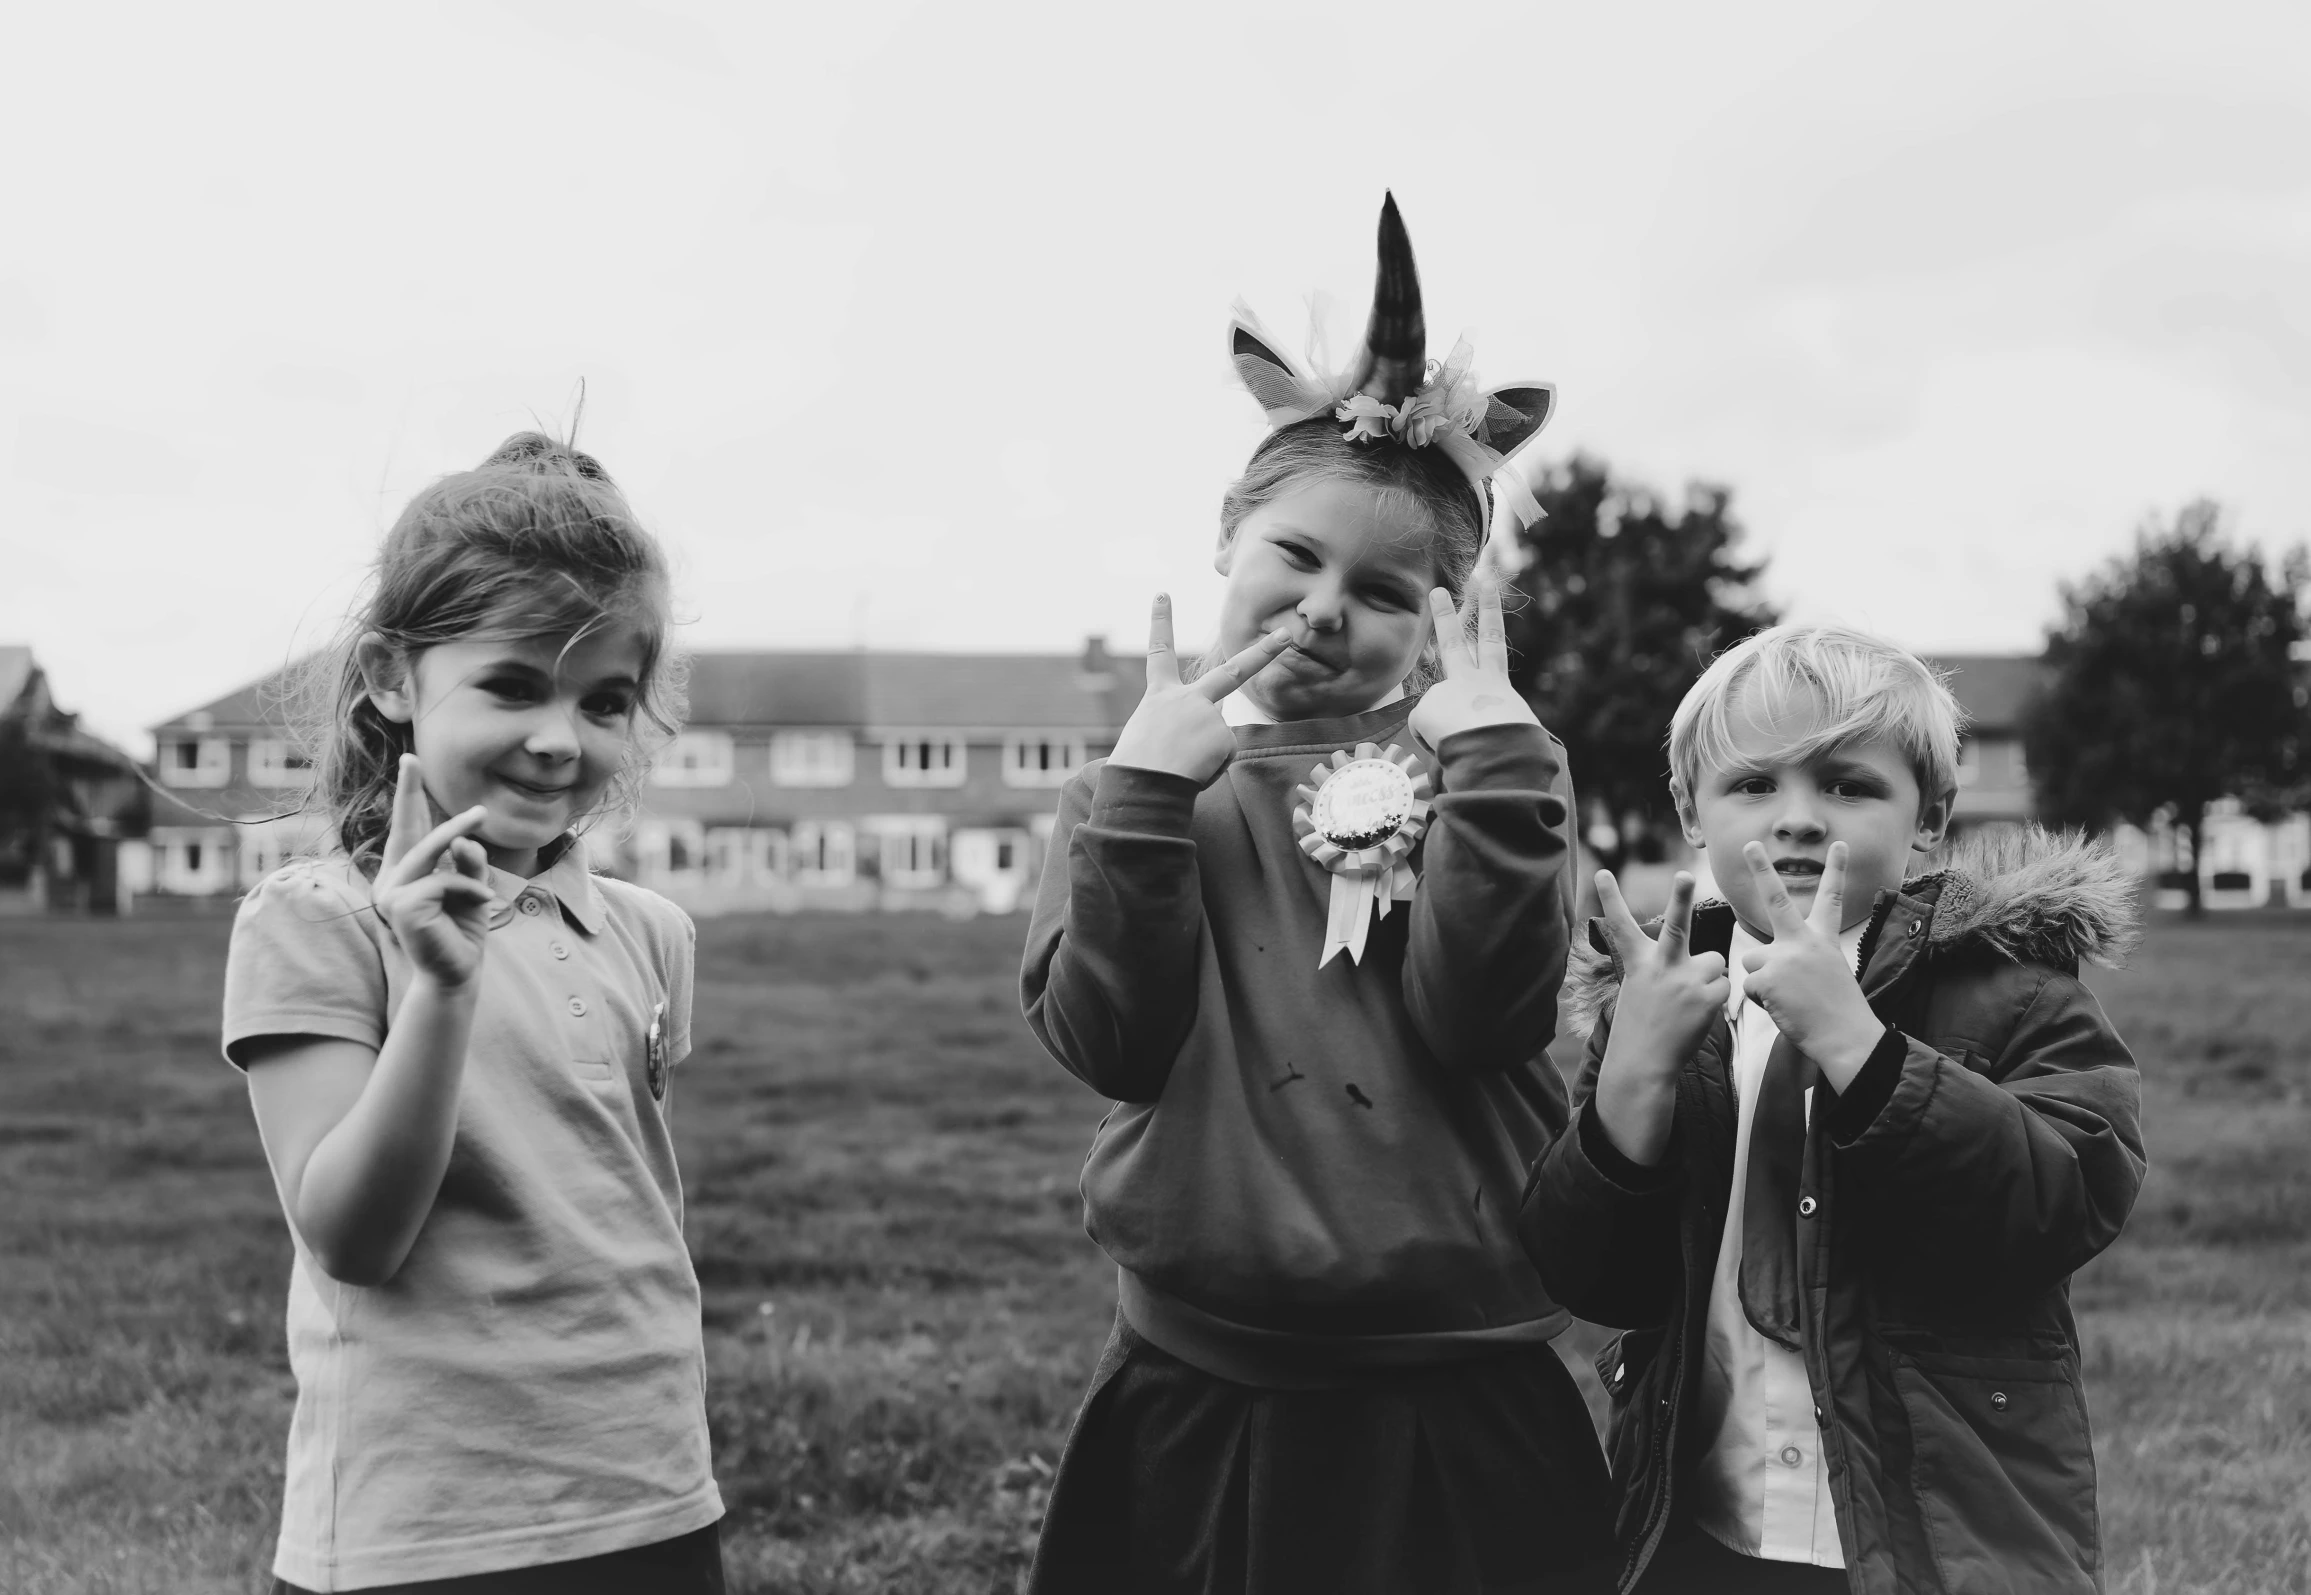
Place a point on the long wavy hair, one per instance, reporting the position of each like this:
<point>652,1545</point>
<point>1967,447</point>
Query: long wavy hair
<point>537,541</point>
<point>1424,481</point>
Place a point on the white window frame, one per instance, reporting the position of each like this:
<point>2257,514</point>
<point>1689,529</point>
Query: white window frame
<point>2018,760</point>
<point>824,853</point>
<point>694,759</point>
<point>1029,758</point>
<point>212,766</point>
<point>813,758</point>
<point>1970,762</point>
<point>938,758</point>
<point>175,872</point>
<point>269,764</point>
<point>745,855</point>
<point>920,841</point>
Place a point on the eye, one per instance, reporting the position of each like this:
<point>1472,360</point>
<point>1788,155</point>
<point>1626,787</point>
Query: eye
<point>1297,555</point>
<point>513,689</point>
<point>1388,598</point>
<point>1853,787</point>
<point>608,705</point>
<point>1754,786</point>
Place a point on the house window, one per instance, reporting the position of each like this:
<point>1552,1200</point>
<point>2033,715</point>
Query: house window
<point>695,758</point>
<point>923,758</point>
<point>666,849</point>
<point>1041,759</point>
<point>745,855</point>
<point>2020,765</point>
<point>914,850</point>
<point>194,863</point>
<point>1969,762</point>
<point>811,758</point>
<point>822,853</point>
<point>195,761</point>
<point>274,762</point>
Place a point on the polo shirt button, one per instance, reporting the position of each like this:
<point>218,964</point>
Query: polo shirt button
<point>1805,1206</point>
<point>578,1006</point>
<point>529,905</point>
<point>560,950</point>
<point>1791,1456</point>
<point>1998,1399</point>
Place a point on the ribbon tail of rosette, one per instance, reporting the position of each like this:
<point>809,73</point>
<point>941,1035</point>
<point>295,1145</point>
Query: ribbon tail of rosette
<point>1383,892</point>
<point>1350,917</point>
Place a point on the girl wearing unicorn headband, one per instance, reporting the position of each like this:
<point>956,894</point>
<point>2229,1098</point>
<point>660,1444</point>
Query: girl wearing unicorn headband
<point>1318,990</point>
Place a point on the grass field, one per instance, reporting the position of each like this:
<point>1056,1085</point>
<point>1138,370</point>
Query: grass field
<point>900,1303</point>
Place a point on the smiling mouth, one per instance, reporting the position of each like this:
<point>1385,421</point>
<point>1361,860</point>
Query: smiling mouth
<point>1798,871</point>
<point>540,792</point>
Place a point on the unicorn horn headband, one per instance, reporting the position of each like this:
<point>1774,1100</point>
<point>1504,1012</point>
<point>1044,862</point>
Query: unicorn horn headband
<point>1392,391</point>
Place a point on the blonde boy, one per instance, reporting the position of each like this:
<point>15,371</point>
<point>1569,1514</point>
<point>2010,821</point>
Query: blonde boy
<point>1841,1139</point>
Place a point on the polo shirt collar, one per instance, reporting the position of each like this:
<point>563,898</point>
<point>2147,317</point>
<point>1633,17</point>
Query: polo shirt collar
<point>566,880</point>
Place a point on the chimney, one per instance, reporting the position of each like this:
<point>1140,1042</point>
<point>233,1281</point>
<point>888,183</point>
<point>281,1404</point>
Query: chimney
<point>1096,671</point>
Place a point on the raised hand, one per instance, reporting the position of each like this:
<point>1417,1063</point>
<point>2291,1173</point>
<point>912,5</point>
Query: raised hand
<point>1669,998</point>
<point>1803,977</point>
<point>1475,690</point>
<point>440,917</point>
<point>1177,726</point>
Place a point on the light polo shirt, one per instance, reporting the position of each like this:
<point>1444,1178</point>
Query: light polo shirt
<point>1762,1487</point>
<point>530,1386</point>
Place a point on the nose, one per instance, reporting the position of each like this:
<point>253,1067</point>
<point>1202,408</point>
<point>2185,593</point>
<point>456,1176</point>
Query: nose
<point>1324,607</point>
<point>553,734</point>
<point>1800,818</point>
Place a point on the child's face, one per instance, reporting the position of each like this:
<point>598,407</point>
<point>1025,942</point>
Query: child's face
<point>1863,794</point>
<point>1347,572</point>
<point>528,731</point>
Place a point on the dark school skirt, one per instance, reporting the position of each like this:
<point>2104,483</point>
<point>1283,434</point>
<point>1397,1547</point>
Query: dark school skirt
<point>688,1564</point>
<point>1455,1479</point>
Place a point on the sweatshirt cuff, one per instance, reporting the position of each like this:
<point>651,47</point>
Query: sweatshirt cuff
<point>1497,757</point>
<point>1142,802</point>
<point>1608,1160</point>
<point>1871,1088</point>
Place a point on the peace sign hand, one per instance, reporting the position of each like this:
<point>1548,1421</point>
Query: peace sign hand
<point>1177,727</point>
<point>1475,690</point>
<point>1669,998</point>
<point>1803,977</point>
<point>440,917</point>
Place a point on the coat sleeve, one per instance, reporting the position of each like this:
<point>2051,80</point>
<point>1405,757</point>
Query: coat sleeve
<point>1603,1231</point>
<point>1108,982</point>
<point>2010,1176</point>
<point>1486,952</point>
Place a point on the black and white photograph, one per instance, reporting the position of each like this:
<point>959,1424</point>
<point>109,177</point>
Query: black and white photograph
<point>1229,799</point>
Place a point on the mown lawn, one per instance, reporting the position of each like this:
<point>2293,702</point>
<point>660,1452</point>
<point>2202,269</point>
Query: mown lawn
<point>901,1306</point>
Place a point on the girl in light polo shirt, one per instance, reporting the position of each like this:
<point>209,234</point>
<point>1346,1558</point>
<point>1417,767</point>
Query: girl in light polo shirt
<point>458,1043</point>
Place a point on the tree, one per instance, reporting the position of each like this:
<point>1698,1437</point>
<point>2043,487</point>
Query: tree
<point>2171,684</point>
<point>1625,601</point>
<point>28,794</point>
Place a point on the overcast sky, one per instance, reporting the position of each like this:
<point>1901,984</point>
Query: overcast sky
<point>903,324</point>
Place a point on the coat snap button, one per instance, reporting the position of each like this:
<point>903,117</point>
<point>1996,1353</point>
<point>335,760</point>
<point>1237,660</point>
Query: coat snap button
<point>1805,1206</point>
<point>1791,1456</point>
<point>1998,1400</point>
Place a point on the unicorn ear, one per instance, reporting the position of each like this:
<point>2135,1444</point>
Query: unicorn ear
<point>1282,385</point>
<point>1515,414</point>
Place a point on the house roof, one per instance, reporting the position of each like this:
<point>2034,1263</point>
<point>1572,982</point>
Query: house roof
<point>872,689</point>
<point>1993,689</point>
<point>15,671</point>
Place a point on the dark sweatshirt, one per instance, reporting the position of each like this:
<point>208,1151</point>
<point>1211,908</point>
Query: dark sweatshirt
<point>1311,1171</point>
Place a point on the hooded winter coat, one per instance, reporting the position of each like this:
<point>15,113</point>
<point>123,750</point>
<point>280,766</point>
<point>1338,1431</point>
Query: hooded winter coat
<point>1990,1146</point>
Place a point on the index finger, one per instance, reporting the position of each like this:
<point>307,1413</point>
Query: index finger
<point>1621,927</point>
<point>1217,684</point>
<point>411,814</point>
<point>1829,899</point>
<point>1451,642</point>
<point>421,858</point>
<point>1163,665</point>
<point>1778,908</point>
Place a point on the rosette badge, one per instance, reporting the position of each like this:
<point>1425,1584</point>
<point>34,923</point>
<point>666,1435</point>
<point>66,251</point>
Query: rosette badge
<point>1359,816</point>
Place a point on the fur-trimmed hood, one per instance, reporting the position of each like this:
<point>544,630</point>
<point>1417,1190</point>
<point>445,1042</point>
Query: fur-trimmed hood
<point>2036,896</point>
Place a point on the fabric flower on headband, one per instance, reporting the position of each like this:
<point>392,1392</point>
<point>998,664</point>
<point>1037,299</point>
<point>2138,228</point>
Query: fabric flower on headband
<point>1393,392</point>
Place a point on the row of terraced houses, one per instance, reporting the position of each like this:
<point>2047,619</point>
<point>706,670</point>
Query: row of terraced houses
<point>887,779</point>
